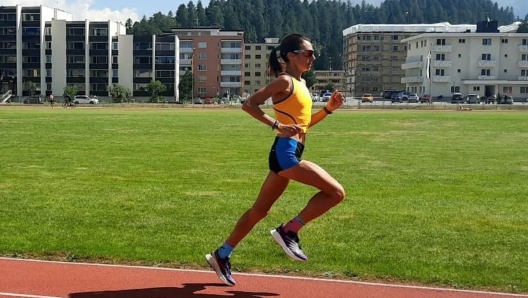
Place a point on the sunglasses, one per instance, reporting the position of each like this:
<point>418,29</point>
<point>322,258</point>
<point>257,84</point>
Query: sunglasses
<point>305,53</point>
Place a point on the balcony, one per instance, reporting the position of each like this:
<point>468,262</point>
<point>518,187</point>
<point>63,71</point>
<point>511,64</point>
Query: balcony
<point>442,79</point>
<point>442,49</point>
<point>487,77</point>
<point>412,65</point>
<point>231,84</point>
<point>410,80</point>
<point>523,64</point>
<point>442,63</point>
<point>487,63</point>
<point>231,50</point>
<point>525,78</point>
<point>185,61</point>
<point>231,73</point>
<point>523,49</point>
<point>186,50</point>
<point>231,61</point>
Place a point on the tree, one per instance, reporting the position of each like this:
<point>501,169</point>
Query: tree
<point>330,87</point>
<point>523,27</point>
<point>119,93</point>
<point>156,87</point>
<point>31,87</point>
<point>309,77</point>
<point>70,91</point>
<point>185,86</point>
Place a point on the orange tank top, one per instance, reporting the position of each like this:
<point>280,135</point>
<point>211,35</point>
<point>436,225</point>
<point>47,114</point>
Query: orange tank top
<point>296,108</point>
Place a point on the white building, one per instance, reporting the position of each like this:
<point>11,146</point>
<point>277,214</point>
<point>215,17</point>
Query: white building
<point>483,63</point>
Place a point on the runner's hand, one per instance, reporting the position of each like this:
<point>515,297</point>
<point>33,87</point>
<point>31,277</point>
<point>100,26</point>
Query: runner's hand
<point>335,101</point>
<point>289,129</point>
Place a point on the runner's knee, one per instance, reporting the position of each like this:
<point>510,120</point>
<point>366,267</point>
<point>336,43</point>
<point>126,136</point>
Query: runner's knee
<point>337,194</point>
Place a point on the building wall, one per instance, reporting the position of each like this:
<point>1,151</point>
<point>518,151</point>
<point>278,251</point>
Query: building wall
<point>325,77</point>
<point>125,61</point>
<point>256,60</point>
<point>458,65</point>
<point>58,57</point>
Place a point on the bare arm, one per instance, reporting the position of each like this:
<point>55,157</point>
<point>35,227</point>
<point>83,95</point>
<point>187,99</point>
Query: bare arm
<point>280,85</point>
<point>333,104</point>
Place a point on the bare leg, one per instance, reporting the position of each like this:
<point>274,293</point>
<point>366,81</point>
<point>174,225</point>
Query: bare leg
<point>271,190</point>
<point>331,192</point>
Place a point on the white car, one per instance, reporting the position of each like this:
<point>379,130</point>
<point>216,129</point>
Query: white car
<point>326,97</point>
<point>85,99</point>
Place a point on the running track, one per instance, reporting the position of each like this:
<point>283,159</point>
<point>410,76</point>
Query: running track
<point>43,279</point>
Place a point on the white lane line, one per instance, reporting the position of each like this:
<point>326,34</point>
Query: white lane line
<point>25,295</point>
<point>276,276</point>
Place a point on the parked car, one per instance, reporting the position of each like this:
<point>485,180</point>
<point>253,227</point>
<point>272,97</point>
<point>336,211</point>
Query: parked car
<point>505,100</point>
<point>397,97</point>
<point>457,98</point>
<point>426,98</point>
<point>410,97</point>
<point>367,97</point>
<point>79,99</point>
<point>473,99</point>
<point>326,97</point>
<point>32,100</point>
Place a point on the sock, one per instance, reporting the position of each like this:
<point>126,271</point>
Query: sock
<point>294,225</point>
<point>225,251</point>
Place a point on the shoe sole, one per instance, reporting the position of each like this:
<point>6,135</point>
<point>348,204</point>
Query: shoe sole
<point>276,236</point>
<point>214,264</point>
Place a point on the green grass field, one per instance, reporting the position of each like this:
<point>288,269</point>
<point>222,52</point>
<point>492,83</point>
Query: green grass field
<point>435,198</point>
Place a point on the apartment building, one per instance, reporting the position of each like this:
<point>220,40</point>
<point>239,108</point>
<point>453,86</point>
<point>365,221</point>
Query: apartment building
<point>215,57</point>
<point>256,59</point>
<point>22,54</point>
<point>373,54</point>
<point>142,59</point>
<point>326,78</point>
<point>485,61</point>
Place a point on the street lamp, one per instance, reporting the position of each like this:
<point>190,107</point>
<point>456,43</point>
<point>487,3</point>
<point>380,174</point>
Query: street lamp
<point>192,75</point>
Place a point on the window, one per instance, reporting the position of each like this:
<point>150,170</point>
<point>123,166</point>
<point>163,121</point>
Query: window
<point>257,74</point>
<point>486,57</point>
<point>459,70</point>
<point>75,59</point>
<point>48,72</point>
<point>395,48</point>
<point>47,31</point>
<point>75,73</point>
<point>99,73</point>
<point>48,45</point>
<point>505,71</point>
<point>459,55</point>
<point>524,90</point>
<point>202,79</point>
<point>525,41</point>
<point>202,56</point>
<point>524,73</point>
<point>143,60</point>
<point>115,73</point>
<point>524,57</point>
<point>76,45</point>
<point>75,31</point>
<point>202,90</point>
<point>486,41</point>
<point>143,46</point>
<point>440,57</point>
<point>202,45</point>
<point>441,42</point>
<point>476,88</point>
<point>485,72</point>
<point>247,74</point>
<point>99,32</point>
<point>164,46</point>
<point>143,73</point>
<point>115,46</point>
<point>247,56</point>
<point>48,58</point>
<point>98,46</point>
<point>258,48</point>
<point>31,31</point>
<point>507,89</point>
<point>99,59</point>
<point>462,40</point>
<point>247,48</point>
<point>504,40</point>
<point>258,56</point>
<point>165,74</point>
<point>455,89</point>
<point>440,72</point>
<point>202,67</point>
<point>165,60</point>
<point>115,60</point>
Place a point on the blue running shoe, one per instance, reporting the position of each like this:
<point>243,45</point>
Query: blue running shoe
<point>222,267</point>
<point>289,241</point>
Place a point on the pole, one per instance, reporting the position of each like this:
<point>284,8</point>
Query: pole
<point>192,76</point>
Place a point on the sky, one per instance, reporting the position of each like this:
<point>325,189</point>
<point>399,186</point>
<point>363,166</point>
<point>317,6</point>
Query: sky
<point>121,10</point>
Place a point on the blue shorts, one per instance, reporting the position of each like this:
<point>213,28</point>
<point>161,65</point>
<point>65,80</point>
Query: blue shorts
<point>285,153</point>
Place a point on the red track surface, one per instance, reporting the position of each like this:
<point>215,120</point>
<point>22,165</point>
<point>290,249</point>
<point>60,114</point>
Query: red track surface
<point>37,279</point>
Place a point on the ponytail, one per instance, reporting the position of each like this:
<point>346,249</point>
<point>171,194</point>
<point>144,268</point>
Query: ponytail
<point>276,60</point>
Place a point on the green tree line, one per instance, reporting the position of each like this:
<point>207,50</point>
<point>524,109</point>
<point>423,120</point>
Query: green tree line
<point>321,20</point>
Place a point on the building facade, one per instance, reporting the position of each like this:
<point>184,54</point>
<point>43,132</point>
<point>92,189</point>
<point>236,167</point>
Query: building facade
<point>24,52</point>
<point>373,54</point>
<point>215,57</point>
<point>256,60</point>
<point>483,63</point>
<point>326,78</point>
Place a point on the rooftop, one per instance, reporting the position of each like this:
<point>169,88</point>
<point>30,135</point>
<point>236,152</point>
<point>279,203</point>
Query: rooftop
<point>421,28</point>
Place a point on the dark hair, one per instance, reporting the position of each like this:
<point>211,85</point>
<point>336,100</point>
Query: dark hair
<point>288,44</point>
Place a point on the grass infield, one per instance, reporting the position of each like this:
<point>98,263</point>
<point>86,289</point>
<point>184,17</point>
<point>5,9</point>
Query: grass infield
<point>434,198</point>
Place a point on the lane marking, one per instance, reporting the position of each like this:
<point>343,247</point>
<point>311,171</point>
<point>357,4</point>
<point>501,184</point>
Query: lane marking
<point>25,295</point>
<point>271,276</point>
